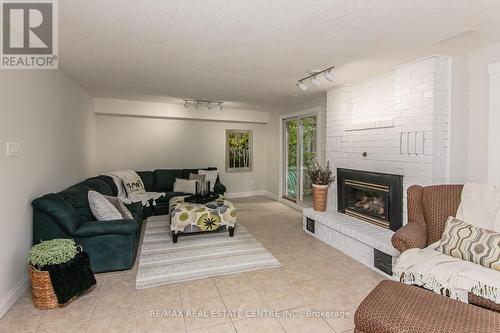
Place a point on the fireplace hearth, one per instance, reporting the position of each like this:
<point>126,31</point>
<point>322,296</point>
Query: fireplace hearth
<point>373,197</point>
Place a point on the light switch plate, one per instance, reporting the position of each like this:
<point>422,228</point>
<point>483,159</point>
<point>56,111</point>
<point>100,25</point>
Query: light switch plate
<point>12,149</point>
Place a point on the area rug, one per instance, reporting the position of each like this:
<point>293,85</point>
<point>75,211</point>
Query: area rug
<point>197,256</point>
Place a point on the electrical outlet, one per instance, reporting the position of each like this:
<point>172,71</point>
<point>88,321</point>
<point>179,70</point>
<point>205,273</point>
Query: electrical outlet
<point>12,149</point>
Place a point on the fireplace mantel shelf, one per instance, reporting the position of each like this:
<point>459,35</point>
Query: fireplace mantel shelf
<point>366,233</point>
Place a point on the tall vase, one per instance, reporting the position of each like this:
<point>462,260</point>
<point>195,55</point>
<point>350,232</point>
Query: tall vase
<point>319,197</point>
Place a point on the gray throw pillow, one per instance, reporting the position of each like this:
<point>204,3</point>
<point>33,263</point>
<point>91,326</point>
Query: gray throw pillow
<point>126,215</point>
<point>102,208</point>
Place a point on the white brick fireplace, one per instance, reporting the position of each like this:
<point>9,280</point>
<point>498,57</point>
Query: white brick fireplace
<point>395,123</point>
<point>400,119</point>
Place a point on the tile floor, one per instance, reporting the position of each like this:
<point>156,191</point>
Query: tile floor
<point>314,279</point>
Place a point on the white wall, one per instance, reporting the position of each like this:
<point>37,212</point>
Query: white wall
<point>160,143</point>
<point>53,120</point>
<point>360,120</point>
<point>469,114</point>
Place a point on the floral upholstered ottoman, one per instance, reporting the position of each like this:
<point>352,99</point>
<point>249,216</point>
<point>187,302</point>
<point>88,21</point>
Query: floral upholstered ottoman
<point>189,218</point>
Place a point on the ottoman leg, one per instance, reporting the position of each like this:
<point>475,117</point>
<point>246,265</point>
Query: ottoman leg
<point>231,231</point>
<point>175,236</point>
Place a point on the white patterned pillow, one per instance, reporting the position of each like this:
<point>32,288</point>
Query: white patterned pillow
<point>465,241</point>
<point>102,208</point>
<point>132,182</point>
<point>210,176</point>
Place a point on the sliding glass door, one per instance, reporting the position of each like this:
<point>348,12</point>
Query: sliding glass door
<point>300,148</point>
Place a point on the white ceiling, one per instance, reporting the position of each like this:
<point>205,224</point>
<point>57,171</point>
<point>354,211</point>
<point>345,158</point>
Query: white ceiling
<point>252,52</point>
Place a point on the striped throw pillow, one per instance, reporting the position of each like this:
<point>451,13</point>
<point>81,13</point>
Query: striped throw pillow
<point>467,242</point>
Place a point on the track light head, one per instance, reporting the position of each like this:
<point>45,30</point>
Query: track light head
<point>187,104</point>
<point>220,107</point>
<point>209,105</point>
<point>302,86</point>
<point>315,81</point>
<point>329,75</point>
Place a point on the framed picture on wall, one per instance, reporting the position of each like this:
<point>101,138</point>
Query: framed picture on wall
<point>239,150</point>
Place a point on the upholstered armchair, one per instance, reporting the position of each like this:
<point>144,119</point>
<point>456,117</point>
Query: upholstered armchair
<point>428,209</point>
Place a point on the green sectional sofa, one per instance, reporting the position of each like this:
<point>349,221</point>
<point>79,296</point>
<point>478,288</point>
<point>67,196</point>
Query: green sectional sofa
<point>111,245</point>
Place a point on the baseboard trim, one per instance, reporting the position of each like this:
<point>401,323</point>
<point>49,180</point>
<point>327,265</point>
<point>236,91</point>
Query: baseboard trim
<point>291,204</point>
<point>12,296</point>
<point>272,196</point>
<point>245,194</point>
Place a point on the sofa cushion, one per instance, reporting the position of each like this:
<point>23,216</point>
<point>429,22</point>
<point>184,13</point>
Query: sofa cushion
<point>136,210</point>
<point>76,196</point>
<point>98,228</point>
<point>187,172</point>
<point>148,180</point>
<point>102,184</point>
<point>465,241</point>
<point>165,179</point>
<point>60,210</point>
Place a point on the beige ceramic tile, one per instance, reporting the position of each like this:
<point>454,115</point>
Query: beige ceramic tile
<point>267,279</point>
<point>300,272</point>
<point>282,299</point>
<point>198,289</point>
<point>21,318</point>
<point>223,328</point>
<point>339,314</point>
<point>117,304</point>
<point>302,325</point>
<point>205,312</point>
<point>314,291</point>
<point>116,324</point>
<point>118,283</point>
<point>162,297</point>
<point>260,325</point>
<point>80,310</point>
<point>63,327</point>
<point>245,302</point>
<point>234,283</point>
<point>160,321</point>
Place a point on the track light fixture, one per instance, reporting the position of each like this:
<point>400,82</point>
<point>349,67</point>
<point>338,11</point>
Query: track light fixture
<point>302,86</point>
<point>198,103</point>
<point>314,78</point>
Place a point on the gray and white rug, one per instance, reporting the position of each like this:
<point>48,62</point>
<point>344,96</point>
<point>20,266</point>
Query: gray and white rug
<point>197,256</point>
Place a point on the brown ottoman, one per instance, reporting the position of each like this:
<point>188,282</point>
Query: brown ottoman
<point>396,307</point>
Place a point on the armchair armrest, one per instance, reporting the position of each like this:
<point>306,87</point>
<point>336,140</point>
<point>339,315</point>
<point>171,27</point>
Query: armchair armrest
<point>98,228</point>
<point>410,236</point>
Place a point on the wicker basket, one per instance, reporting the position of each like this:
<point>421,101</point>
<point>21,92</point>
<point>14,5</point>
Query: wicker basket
<point>43,295</point>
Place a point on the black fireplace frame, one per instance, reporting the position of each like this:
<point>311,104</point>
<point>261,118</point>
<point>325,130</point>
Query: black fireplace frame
<point>392,181</point>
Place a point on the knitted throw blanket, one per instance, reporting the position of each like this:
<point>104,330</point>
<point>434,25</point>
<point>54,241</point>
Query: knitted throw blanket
<point>72,278</point>
<point>139,196</point>
<point>447,275</point>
